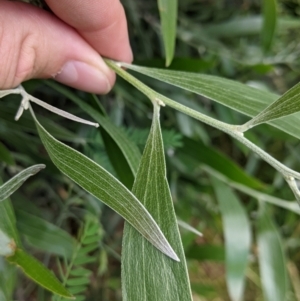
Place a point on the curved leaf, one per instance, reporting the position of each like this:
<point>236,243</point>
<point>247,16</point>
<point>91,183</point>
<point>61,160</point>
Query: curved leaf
<point>147,274</point>
<point>128,153</point>
<point>13,184</point>
<point>97,181</point>
<point>38,273</point>
<point>237,234</point>
<point>271,258</point>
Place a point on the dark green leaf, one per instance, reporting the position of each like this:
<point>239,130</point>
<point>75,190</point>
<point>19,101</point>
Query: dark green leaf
<point>218,161</point>
<point>206,252</point>
<point>38,273</point>
<point>5,155</point>
<point>44,235</point>
<point>78,281</point>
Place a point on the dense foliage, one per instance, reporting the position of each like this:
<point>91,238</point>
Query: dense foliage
<point>244,54</point>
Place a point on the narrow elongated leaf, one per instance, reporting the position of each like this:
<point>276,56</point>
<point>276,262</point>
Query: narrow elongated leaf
<point>188,227</point>
<point>271,258</point>
<point>44,235</point>
<point>237,234</point>
<point>218,161</point>
<point>8,221</point>
<point>97,181</point>
<point>247,25</point>
<point>5,155</point>
<point>38,273</point>
<point>287,104</point>
<point>147,274</point>
<point>206,253</point>
<point>13,184</point>
<point>269,23</point>
<point>235,95</point>
<point>168,18</point>
<point>288,205</point>
<point>117,159</point>
<point>128,149</point>
<point>7,280</point>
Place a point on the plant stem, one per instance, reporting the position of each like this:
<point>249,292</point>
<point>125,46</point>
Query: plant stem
<point>231,130</point>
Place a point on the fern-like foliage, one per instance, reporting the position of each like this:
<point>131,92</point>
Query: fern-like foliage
<point>75,276</point>
<point>171,138</point>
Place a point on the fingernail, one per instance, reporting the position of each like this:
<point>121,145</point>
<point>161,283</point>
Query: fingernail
<point>83,77</point>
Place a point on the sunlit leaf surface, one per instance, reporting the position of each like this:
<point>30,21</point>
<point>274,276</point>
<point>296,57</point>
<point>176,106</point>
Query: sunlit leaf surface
<point>13,184</point>
<point>235,95</point>
<point>148,274</point>
<point>97,181</point>
<point>287,104</point>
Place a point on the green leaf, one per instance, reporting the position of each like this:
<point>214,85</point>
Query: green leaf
<point>271,258</point>
<point>97,181</point>
<point>188,227</point>
<point>168,17</point>
<point>218,161</point>
<point>8,277</point>
<point>78,281</point>
<point>117,159</point>
<point>128,153</point>
<point>269,23</point>
<point>8,221</point>
<point>288,205</point>
<point>38,273</point>
<point>235,95</point>
<point>43,235</point>
<point>5,155</point>
<point>242,26</point>
<point>237,234</point>
<point>287,104</point>
<point>14,183</point>
<point>146,273</point>
<point>206,253</point>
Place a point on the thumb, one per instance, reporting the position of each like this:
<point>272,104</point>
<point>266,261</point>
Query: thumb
<point>36,44</point>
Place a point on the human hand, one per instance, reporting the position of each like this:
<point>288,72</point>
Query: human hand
<point>64,45</point>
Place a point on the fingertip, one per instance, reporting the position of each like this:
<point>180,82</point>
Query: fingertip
<point>89,78</point>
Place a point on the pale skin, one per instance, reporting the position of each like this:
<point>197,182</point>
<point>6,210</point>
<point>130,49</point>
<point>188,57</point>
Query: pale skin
<point>67,45</point>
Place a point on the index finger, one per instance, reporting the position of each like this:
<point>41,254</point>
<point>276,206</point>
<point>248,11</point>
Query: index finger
<point>102,23</point>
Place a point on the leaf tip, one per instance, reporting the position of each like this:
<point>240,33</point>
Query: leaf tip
<point>173,255</point>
